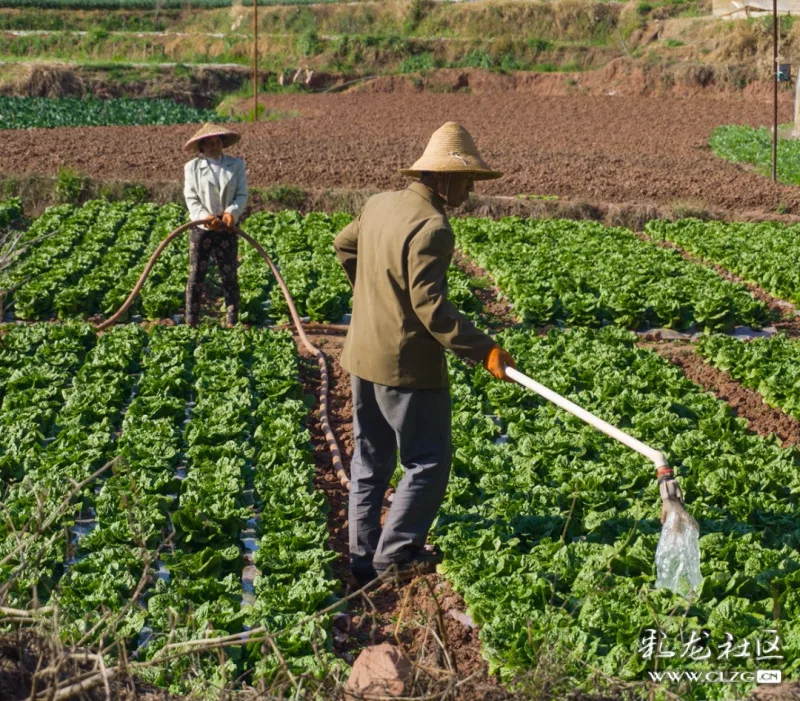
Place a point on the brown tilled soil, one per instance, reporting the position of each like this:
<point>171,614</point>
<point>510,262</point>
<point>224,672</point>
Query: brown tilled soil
<point>595,149</point>
<point>747,404</point>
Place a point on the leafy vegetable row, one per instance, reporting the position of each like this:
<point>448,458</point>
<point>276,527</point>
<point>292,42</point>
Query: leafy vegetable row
<point>765,253</point>
<point>41,112</point>
<point>586,274</point>
<point>771,366</point>
<point>247,386</point>
<point>85,436</point>
<point>37,363</point>
<point>60,228</point>
<point>203,591</point>
<point>293,555</point>
<point>53,289</point>
<point>132,508</point>
<point>86,295</point>
<point>549,528</point>
<point>164,292</point>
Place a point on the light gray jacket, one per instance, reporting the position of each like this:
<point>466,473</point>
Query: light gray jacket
<point>199,188</point>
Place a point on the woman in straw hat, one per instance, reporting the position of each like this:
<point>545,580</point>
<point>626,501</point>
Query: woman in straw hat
<point>396,255</point>
<point>215,189</point>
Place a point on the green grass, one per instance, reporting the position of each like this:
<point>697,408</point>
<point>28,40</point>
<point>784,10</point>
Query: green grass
<point>142,4</point>
<point>753,145</point>
<point>32,19</point>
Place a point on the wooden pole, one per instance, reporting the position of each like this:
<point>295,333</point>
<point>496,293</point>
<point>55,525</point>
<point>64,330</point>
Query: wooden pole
<point>255,60</point>
<point>775,91</point>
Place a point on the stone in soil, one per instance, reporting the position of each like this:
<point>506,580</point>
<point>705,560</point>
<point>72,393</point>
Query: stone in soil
<point>380,670</point>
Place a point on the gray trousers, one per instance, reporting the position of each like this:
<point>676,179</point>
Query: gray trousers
<point>417,421</point>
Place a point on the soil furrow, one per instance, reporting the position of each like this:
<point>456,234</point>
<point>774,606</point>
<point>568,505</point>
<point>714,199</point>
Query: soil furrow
<point>405,615</point>
<point>746,403</point>
<point>784,309</point>
<point>499,314</point>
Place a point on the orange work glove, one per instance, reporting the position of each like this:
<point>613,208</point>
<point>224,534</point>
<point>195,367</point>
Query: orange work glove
<point>227,220</point>
<point>213,223</point>
<point>495,363</point>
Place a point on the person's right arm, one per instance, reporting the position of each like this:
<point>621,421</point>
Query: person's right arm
<point>193,202</point>
<point>346,247</point>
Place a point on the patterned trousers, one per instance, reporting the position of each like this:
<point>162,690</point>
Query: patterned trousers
<point>223,248</point>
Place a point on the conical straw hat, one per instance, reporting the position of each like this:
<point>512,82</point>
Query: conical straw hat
<point>229,138</point>
<point>452,150</point>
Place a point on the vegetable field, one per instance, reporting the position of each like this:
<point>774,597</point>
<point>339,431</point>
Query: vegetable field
<point>573,273</point>
<point>210,520</point>
<point>752,145</point>
<point>585,274</point>
<point>158,481</point>
<point>771,366</point>
<point>89,259</point>
<point>549,528</point>
<point>52,113</point>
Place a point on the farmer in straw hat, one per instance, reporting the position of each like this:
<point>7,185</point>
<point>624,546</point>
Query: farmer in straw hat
<point>396,255</point>
<point>215,189</point>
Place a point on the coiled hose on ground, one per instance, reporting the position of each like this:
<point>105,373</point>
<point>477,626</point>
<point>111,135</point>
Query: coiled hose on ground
<point>333,446</point>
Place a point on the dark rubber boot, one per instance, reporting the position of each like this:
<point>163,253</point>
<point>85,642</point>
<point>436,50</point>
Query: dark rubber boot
<point>364,575</point>
<point>421,562</point>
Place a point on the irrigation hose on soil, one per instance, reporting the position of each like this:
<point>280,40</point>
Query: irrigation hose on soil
<point>678,552</point>
<point>333,446</point>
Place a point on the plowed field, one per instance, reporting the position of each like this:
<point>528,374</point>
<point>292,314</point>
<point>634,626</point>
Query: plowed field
<point>600,149</point>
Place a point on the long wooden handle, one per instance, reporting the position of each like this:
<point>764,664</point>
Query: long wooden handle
<point>652,454</point>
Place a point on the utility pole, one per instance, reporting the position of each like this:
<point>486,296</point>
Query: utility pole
<point>255,60</point>
<point>774,91</point>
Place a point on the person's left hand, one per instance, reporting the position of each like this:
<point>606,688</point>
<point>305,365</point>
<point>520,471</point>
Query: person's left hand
<point>496,362</point>
<point>227,220</point>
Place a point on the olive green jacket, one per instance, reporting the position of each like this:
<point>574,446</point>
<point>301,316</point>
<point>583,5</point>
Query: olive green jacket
<point>396,254</point>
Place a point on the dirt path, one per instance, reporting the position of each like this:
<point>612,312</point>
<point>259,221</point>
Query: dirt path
<point>404,616</point>
<point>596,149</point>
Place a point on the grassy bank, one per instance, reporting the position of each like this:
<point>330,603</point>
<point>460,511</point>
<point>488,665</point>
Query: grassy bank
<point>364,54</point>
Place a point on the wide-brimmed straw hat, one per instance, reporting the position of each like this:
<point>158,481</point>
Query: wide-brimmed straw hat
<point>452,150</point>
<point>229,138</point>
